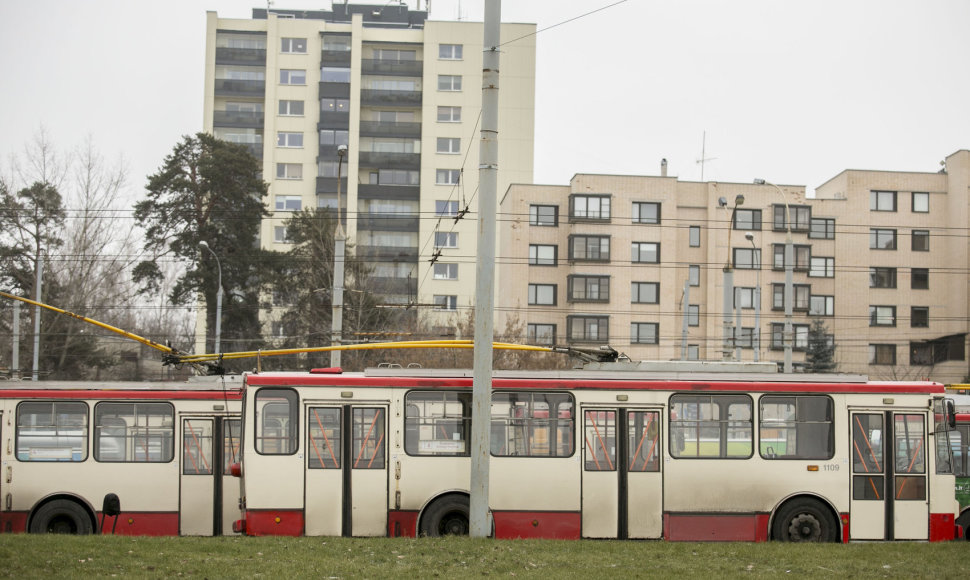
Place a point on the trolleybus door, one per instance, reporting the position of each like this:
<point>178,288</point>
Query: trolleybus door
<point>346,475</point>
<point>889,472</point>
<point>622,492</point>
<point>202,479</point>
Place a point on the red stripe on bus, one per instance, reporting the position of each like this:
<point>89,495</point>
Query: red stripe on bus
<point>547,525</point>
<point>142,524</point>
<point>402,524</point>
<point>234,395</point>
<point>274,523</point>
<point>942,527</point>
<point>716,527</point>
<point>13,522</point>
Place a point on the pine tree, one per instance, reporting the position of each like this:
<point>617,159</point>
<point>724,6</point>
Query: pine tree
<point>820,357</point>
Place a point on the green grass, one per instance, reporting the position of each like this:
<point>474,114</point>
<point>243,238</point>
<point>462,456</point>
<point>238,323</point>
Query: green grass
<point>26,556</point>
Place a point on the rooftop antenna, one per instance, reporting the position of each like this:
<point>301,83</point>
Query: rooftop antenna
<point>703,158</point>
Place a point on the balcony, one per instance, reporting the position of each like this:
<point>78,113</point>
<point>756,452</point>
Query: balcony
<point>390,160</point>
<point>387,222</point>
<point>394,98</point>
<point>329,57</point>
<point>389,254</point>
<point>387,285</point>
<point>395,192</point>
<point>238,88</point>
<point>404,68</point>
<point>329,184</point>
<point>244,119</point>
<point>334,120</point>
<point>378,129</point>
<point>334,90</point>
<point>241,56</point>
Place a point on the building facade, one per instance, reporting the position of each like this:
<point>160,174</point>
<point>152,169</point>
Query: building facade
<point>403,94</point>
<point>640,262</point>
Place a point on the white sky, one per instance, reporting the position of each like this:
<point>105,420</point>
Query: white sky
<point>793,92</point>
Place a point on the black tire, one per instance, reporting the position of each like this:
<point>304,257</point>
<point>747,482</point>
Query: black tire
<point>447,516</point>
<point>805,520</point>
<point>61,516</point>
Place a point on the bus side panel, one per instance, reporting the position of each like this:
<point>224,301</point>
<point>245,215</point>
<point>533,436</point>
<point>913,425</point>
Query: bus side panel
<point>13,522</point>
<point>546,525</point>
<point>274,523</point>
<point>402,524</point>
<point>942,527</point>
<point>142,524</point>
<point>721,527</point>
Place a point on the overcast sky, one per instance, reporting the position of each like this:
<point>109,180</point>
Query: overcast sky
<point>793,92</point>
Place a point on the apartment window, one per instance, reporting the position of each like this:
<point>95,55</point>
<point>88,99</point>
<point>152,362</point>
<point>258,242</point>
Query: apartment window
<point>445,302</point>
<point>694,275</point>
<point>589,248</point>
<point>921,241</point>
<point>543,255</point>
<point>291,108</point>
<point>334,137</point>
<point>822,305</point>
<point>395,54</point>
<point>279,235</point>
<point>394,177</point>
<point>822,229</point>
<point>645,293</point>
<point>449,114</point>
<point>449,82</point>
<point>329,169</point>
<point>802,255</point>
<point>745,337</point>
<point>334,74</point>
<point>446,239</point>
<point>921,202</point>
<point>445,271</point>
<point>289,203</point>
<point>744,297</point>
<point>882,277</point>
<point>882,200</point>
<point>920,278</point>
<point>882,316</point>
<point>694,236</point>
<point>542,294</point>
<point>644,332</point>
<point>449,51</point>
<point>445,208</point>
<point>284,139</point>
<point>588,328</point>
<point>935,351</point>
<point>747,219</point>
<point>919,317</point>
<point>544,215</point>
<point>292,76</point>
<point>589,289</point>
<point>747,258</point>
<point>334,105</point>
<point>541,334</point>
<point>289,171</point>
<point>880,239</point>
<point>882,354</point>
<point>799,336</point>
<point>693,315</point>
<point>822,267</point>
<point>293,45</point>
<point>645,212</point>
<point>447,176</point>
<point>589,207</point>
<point>801,293</point>
<point>801,218</point>
<point>450,145</point>
<point>645,253</point>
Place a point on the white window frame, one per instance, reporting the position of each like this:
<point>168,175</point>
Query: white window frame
<point>449,83</point>
<point>451,114</point>
<point>289,171</point>
<point>446,239</point>
<point>449,145</point>
<point>447,176</point>
<point>445,302</point>
<point>289,139</point>
<point>450,52</point>
<point>445,271</point>
<point>292,45</point>
<point>293,76</point>
<point>285,106</point>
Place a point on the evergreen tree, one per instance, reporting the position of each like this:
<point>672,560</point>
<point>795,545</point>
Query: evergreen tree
<point>820,357</point>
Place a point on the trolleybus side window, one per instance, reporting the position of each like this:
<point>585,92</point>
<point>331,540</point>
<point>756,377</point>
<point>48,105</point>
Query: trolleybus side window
<point>368,443</point>
<point>959,439</point>
<point>52,431</point>
<point>600,440</point>
<point>796,427</point>
<point>323,434</point>
<point>134,432</point>
<point>711,426</point>
<point>941,427</point>
<point>643,440</point>
<point>197,446</point>
<point>532,424</point>
<point>437,423</point>
<point>867,457</point>
<point>230,444</point>
<point>910,451</point>
<point>276,422</point>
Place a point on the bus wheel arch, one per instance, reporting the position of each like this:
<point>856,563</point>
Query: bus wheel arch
<point>804,518</point>
<point>62,514</point>
<point>964,522</point>
<point>445,515</point>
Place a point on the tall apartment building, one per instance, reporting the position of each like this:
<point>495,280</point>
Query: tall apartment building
<point>403,93</point>
<point>638,262</point>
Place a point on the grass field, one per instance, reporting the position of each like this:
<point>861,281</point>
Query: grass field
<point>25,556</point>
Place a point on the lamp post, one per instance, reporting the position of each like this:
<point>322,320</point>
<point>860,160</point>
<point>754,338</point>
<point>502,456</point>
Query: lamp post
<point>789,269</point>
<point>728,330</point>
<point>756,337</point>
<point>205,246</point>
<point>339,245</point>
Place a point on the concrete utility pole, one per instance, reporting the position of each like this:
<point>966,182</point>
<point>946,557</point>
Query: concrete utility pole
<point>339,248</point>
<point>40,279</point>
<point>485,276</point>
<point>789,270</point>
<point>728,330</point>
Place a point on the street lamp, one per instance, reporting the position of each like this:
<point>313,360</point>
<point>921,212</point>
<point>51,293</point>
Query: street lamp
<point>728,331</point>
<point>789,269</point>
<point>756,338</point>
<point>340,242</point>
<point>205,246</point>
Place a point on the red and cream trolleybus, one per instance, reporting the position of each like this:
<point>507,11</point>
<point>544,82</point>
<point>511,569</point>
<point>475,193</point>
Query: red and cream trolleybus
<point>163,449</point>
<point>599,454</point>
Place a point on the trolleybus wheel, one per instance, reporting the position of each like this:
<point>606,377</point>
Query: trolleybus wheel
<point>61,516</point>
<point>447,516</point>
<point>804,520</point>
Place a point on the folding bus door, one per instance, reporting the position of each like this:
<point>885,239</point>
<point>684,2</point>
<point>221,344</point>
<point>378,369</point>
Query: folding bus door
<point>889,476</point>
<point>204,485</point>
<point>622,494</point>
<point>346,475</point>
